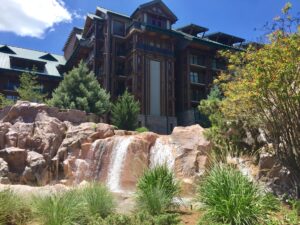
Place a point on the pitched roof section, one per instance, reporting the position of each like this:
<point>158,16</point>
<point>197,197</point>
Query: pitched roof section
<point>32,55</point>
<point>48,57</point>
<point>161,4</point>
<point>223,38</point>
<point>193,29</point>
<point>107,11</point>
<point>74,31</point>
<point>6,49</point>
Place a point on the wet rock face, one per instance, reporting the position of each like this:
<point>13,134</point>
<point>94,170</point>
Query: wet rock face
<point>40,144</point>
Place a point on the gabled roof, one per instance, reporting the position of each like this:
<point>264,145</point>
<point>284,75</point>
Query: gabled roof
<point>49,57</point>
<point>107,11</point>
<point>75,30</point>
<point>161,4</point>
<point>6,49</point>
<point>193,29</point>
<point>32,55</point>
<point>224,38</point>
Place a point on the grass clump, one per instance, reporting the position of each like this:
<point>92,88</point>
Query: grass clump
<point>13,209</point>
<point>98,200</point>
<point>140,218</point>
<point>231,198</point>
<point>59,209</point>
<point>156,190</point>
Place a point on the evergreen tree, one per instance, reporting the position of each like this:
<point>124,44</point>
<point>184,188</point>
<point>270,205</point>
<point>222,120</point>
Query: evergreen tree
<point>30,89</point>
<point>125,112</point>
<point>81,90</point>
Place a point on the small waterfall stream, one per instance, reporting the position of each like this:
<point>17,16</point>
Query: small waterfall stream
<point>160,154</point>
<point>117,159</point>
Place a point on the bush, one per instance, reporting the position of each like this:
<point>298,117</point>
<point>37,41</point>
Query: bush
<point>229,197</point>
<point>124,113</point>
<point>99,201</point>
<point>141,129</point>
<point>156,190</point>
<point>4,101</point>
<point>59,209</point>
<point>13,209</point>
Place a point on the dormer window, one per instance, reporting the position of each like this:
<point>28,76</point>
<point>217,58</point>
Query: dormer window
<point>27,64</point>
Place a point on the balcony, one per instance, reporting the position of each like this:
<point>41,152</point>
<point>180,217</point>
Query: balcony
<point>154,49</point>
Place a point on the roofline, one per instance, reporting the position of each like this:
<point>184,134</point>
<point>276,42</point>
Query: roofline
<point>154,2</point>
<point>112,12</point>
<point>229,35</point>
<point>33,50</point>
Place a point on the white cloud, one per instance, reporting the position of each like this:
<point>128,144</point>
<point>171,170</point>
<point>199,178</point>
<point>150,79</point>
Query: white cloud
<point>32,17</point>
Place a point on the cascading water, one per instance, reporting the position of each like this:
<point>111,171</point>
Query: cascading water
<point>117,159</point>
<point>160,154</point>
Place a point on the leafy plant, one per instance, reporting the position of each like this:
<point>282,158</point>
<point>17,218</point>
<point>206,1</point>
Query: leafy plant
<point>81,90</point>
<point>141,129</point>
<point>156,190</point>
<point>13,209</point>
<point>99,201</point>
<point>4,101</point>
<point>59,209</point>
<point>30,89</point>
<point>230,198</point>
<point>124,113</point>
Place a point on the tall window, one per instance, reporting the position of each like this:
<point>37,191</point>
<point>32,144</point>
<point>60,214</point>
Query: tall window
<point>194,77</point>
<point>118,28</point>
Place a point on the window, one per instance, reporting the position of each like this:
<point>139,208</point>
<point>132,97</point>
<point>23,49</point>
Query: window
<point>12,85</point>
<point>12,97</point>
<point>197,77</point>
<point>27,64</point>
<point>198,60</point>
<point>197,95</point>
<point>118,28</point>
<point>158,22</point>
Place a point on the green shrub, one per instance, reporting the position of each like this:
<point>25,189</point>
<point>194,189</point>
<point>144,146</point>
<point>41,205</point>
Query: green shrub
<point>229,197</point>
<point>99,201</point>
<point>141,129</point>
<point>156,190</point>
<point>13,209</point>
<point>59,209</point>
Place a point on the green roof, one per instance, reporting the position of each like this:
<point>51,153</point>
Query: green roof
<point>50,65</point>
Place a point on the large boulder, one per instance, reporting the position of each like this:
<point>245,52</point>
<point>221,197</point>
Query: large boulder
<point>15,158</point>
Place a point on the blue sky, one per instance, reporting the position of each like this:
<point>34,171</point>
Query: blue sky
<point>54,19</point>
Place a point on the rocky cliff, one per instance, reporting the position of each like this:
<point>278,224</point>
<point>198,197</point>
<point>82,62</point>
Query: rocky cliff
<point>41,145</point>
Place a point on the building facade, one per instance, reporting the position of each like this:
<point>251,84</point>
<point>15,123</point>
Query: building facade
<point>168,70</point>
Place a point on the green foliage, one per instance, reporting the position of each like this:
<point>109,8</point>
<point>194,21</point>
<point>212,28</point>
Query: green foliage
<point>59,209</point>
<point>81,90</point>
<point>99,201</point>
<point>4,101</point>
<point>140,218</point>
<point>141,129</point>
<point>229,197</point>
<point>125,112</point>
<point>156,190</point>
<point>30,89</point>
<point>13,209</point>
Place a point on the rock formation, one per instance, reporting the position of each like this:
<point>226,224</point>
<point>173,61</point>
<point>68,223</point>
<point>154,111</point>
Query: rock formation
<point>40,145</point>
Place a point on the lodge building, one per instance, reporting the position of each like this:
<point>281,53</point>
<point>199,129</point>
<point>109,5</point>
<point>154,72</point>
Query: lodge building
<point>168,70</point>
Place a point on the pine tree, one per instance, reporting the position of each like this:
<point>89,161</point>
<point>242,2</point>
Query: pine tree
<point>125,112</point>
<point>30,89</point>
<point>81,90</point>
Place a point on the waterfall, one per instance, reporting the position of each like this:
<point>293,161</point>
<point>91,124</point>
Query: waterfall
<point>160,154</point>
<point>117,159</point>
